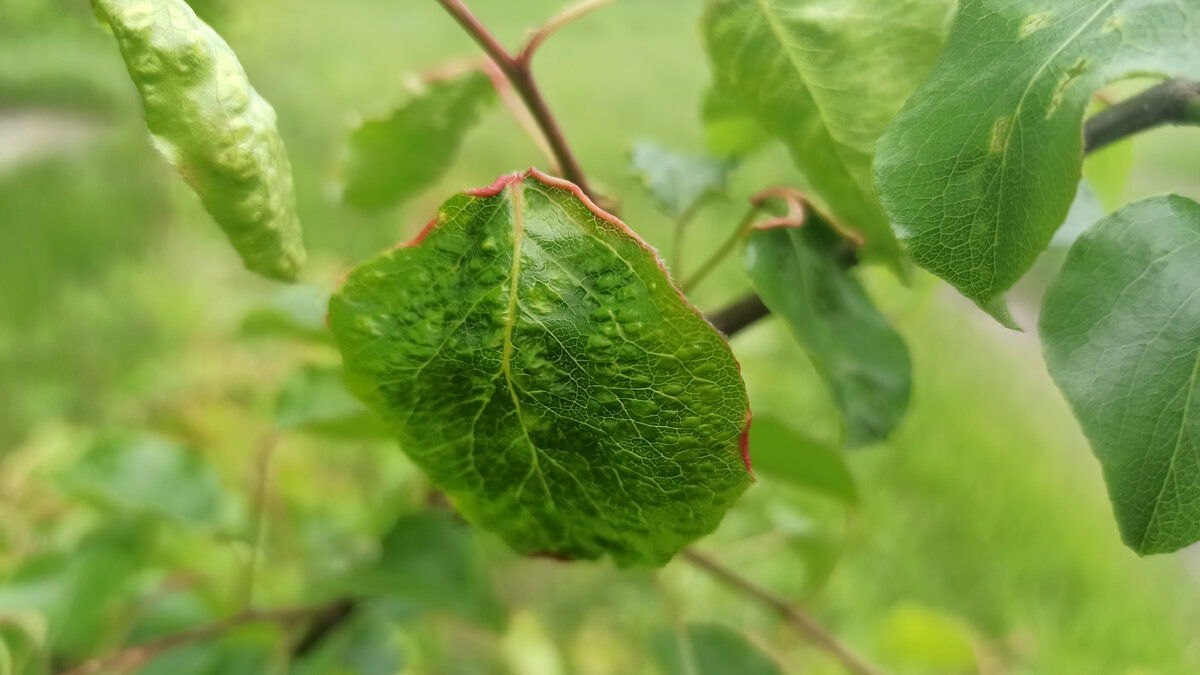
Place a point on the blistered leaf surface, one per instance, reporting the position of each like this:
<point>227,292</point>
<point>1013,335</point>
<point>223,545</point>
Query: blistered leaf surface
<point>825,77</point>
<point>800,276</point>
<point>533,357</point>
<point>981,167</point>
<point>393,158</point>
<point>214,127</point>
<point>1121,333</point>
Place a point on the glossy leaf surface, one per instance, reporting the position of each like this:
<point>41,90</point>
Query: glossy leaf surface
<point>393,158</point>
<point>980,168</point>
<point>800,276</point>
<point>825,77</point>
<point>533,357</point>
<point>677,182</point>
<point>214,127</point>
<point>1121,333</point>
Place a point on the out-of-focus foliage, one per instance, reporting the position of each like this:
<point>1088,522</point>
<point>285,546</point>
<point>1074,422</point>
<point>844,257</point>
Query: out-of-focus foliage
<point>123,315</point>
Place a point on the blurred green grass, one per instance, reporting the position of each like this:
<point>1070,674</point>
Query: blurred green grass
<point>120,305</point>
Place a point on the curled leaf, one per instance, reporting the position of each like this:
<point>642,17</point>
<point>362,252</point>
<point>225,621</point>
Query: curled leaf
<point>209,121</point>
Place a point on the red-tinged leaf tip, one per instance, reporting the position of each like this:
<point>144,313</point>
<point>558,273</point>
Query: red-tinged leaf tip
<point>416,241</point>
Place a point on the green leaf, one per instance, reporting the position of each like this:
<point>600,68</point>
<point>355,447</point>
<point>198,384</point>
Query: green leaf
<point>148,475</point>
<point>535,360</point>
<point>806,463</point>
<point>981,167</point>
<point>427,559</point>
<point>709,649</point>
<point>678,182</point>
<point>367,644</point>
<point>864,362</point>
<point>315,399</point>
<point>1121,332</point>
<point>213,126</point>
<point>731,129</point>
<point>825,78</point>
<point>78,592</point>
<point>393,158</point>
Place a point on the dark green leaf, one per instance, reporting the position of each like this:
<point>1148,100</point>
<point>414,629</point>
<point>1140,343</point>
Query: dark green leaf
<point>427,559</point>
<point>777,450</point>
<point>980,168</point>
<point>534,358</point>
<point>1121,329</point>
<point>315,399</point>
<point>148,475</point>
<point>213,126</point>
<point>678,182</point>
<point>865,363</point>
<point>825,78</point>
<point>709,649</point>
<point>393,158</point>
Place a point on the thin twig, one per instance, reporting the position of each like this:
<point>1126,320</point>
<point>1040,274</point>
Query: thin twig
<point>802,622</point>
<point>138,655</point>
<point>1172,102</point>
<point>516,108</point>
<point>558,21</point>
<point>690,283</point>
<point>520,75</point>
<point>262,470</point>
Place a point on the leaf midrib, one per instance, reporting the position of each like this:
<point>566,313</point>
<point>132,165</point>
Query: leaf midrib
<point>777,31</point>
<point>510,320</point>
<point>1187,406</point>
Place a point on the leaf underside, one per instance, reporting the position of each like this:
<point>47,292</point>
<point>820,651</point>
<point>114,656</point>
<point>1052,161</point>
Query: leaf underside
<point>980,168</point>
<point>535,360</point>
<point>214,127</point>
<point>824,77</point>
<point>1121,333</point>
<point>862,359</point>
<point>676,182</point>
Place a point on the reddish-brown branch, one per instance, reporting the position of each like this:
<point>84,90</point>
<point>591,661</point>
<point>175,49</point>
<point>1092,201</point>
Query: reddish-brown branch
<point>519,73</point>
<point>563,18</point>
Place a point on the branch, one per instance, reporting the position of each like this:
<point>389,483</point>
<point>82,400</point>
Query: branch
<point>518,72</point>
<point>1172,102</point>
<point>138,655</point>
<point>563,18</point>
<point>802,622</point>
